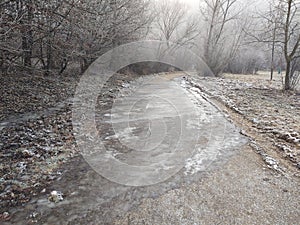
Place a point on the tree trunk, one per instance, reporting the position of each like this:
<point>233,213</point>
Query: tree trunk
<point>27,49</point>
<point>273,51</point>
<point>27,38</point>
<point>63,65</point>
<point>287,56</point>
<point>287,85</point>
<point>272,71</point>
<point>49,61</point>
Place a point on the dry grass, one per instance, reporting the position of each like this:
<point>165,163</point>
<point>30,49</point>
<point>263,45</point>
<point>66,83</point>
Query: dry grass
<point>262,78</point>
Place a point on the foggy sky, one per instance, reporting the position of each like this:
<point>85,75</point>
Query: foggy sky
<point>258,4</point>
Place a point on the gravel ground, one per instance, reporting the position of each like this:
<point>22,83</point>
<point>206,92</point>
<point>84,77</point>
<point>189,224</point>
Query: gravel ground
<point>244,191</point>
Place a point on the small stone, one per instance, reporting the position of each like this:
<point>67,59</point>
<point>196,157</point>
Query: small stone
<point>22,166</point>
<point>5,216</point>
<point>27,153</point>
<point>33,215</point>
<point>271,161</point>
<point>243,132</point>
<point>56,196</point>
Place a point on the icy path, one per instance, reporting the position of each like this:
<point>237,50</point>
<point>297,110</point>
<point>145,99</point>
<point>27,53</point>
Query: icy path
<point>165,133</point>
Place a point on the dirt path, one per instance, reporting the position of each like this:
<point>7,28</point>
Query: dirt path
<point>244,191</point>
<point>234,185</point>
<point>256,186</point>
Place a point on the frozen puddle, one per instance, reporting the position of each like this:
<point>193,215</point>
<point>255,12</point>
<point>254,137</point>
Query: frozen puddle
<point>166,126</point>
<point>222,136</point>
<point>159,135</point>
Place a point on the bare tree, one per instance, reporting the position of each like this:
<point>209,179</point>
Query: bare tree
<point>248,60</point>
<point>16,19</point>
<point>28,29</point>
<point>266,30</point>
<point>101,25</point>
<point>47,35</point>
<point>281,30</point>
<point>54,34</point>
<point>173,23</point>
<point>291,40</point>
<point>272,26</point>
<point>223,32</point>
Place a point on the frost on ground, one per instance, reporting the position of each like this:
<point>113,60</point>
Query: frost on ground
<point>223,137</point>
<point>274,115</point>
<point>34,151</point>
<point>36,133</point>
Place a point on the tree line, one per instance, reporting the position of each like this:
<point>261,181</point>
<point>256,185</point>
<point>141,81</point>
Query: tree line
<point>50,36</point>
